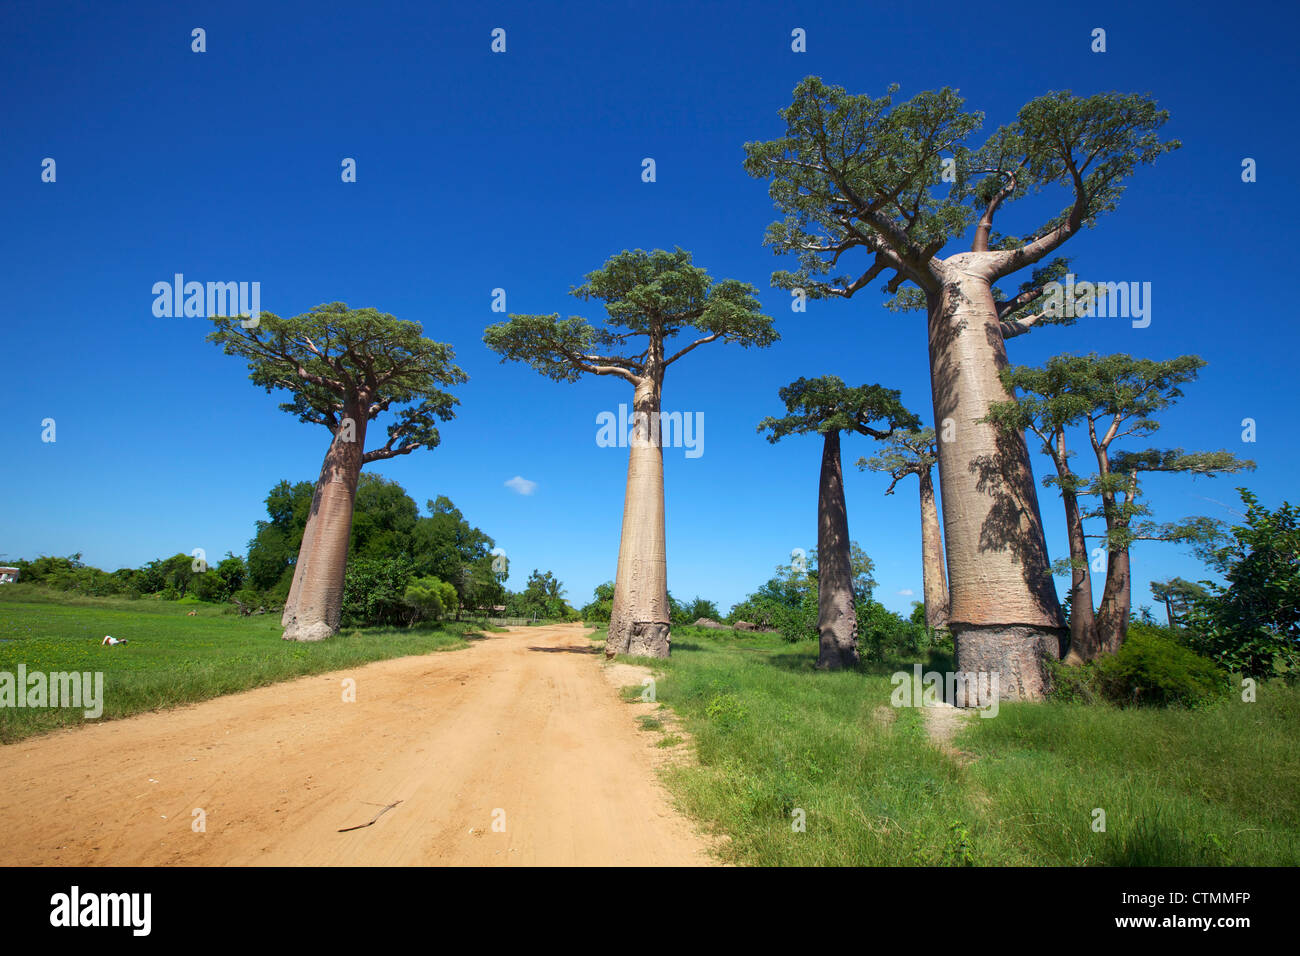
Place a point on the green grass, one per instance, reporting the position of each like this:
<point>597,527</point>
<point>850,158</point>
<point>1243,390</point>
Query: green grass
<point>171,658</point>
<point>1215,785</point>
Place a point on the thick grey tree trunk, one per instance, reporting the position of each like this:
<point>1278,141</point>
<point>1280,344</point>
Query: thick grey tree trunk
<point>639,623</point>
<point>837,621</point>
<point>314,609</point>
<point>1004,616</point>
<point>934,579</point>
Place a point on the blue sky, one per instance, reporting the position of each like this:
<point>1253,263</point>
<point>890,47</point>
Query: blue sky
<point>522,171</point>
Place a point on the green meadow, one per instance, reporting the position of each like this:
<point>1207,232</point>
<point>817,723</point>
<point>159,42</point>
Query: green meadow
<point>171,658</point>
<point>778,744</point>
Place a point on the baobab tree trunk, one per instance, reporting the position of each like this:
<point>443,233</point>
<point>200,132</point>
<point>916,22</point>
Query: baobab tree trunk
<point>1116,594</point>
<point>315,605</point>
<point>1084,644</point>
<point>837,622</point>
<point>1004,615</point>
<point>639,622</point>
<point>1116,602</point>
<point>933,578</point>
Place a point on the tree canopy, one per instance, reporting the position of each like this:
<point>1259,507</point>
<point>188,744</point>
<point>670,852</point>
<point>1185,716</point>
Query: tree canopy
<point>825,404</point>
<point>900,182</point>
<point>658,295</point>
<point>339,362</point>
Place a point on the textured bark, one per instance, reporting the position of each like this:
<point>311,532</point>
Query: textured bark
<point>837,622</point>
<point>315,606</point>
<point>934,578</point>
<point>639,622</point>
<point>1003,603</point>
<point>1116,602</point>
<point>1116,595</point>
<point>1084,644</point>
<point>1016,653</point>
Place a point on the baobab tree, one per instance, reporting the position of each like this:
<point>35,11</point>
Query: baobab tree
<point>344,367</point>
<point>1048,401</point>
<point>650,298</point>
<point>853,173</point>
<point>1120,490</point>
<point>1113,397</point>
<point>914,452</point>
<point>827,407</point>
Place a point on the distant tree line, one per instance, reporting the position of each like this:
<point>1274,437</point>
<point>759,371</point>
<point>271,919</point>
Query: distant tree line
<point>405,566</point>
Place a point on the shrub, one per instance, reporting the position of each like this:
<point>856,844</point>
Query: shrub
<point>1151,668</point>
<point>430,598</point>
<point>884,635</point>
<point>374,591</point>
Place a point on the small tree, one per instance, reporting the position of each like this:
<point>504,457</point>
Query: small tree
<point>827,407</point>
<point>914,452</point>
<point>649,298</point>
<point>1254,624</point>
<point>1178,596</point>
<point>1123,394</point>
<point>344,367</point>
<point>430,598</point>
<point>1115,397</point>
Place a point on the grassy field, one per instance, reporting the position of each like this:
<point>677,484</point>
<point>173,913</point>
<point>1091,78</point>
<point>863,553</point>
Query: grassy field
<point>171,658</point>
<point>1213,786</point>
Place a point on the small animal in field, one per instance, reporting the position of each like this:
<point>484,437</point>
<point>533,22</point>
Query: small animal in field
<point>192,614</point>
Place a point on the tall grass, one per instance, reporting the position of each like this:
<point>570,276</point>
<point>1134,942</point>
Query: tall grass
<point>1217,785</point>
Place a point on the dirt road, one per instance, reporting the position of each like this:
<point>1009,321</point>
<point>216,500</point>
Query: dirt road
<point>521,730</point>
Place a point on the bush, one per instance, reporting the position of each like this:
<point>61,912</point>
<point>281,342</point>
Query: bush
<point>374,591</point>
<point>430,598</point>
<point>695,609</point>
<point>884,635</point>
<point>1151,668</point>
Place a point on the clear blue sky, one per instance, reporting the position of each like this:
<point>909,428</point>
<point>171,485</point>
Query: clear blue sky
<point>522,171</point>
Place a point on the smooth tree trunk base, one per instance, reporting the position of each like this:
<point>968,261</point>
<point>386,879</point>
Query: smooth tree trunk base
<point>649,639</point>
<point>1016,653</point>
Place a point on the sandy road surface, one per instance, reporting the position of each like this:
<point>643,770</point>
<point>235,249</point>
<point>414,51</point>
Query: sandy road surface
<point>522,722</point>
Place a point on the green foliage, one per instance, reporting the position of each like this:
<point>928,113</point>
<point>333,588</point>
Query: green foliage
<point>1151,668</point>
<point>788,602</point>
<point>884,636</point>
<point>910,451</point>
<point>374,590</point>
<point>654,294</point>
<point>1253,626</point>
<point>697,608</point>
<point>854,171</point>
<point>823,405</point>
<point>601,606</point>
<point>338,362</point>
<point>430,599</point>
<point>542,598</point>
<point>385,524</point>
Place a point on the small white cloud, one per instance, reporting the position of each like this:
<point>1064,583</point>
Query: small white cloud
<point>521,485</point>
<point>906,592</point>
